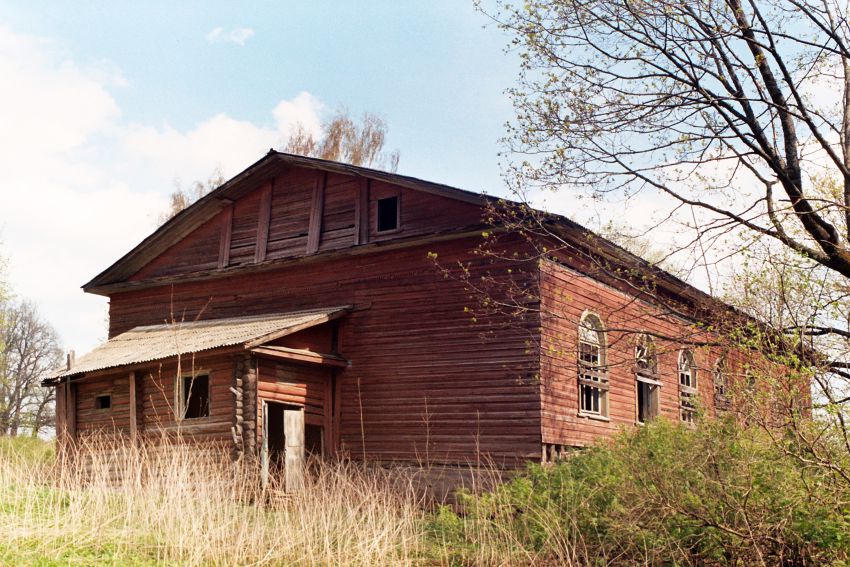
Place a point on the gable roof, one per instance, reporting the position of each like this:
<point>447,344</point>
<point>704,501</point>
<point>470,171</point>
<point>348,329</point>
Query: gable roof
<point>211,204</point>
<point>273,162</point>
<point>158,342</point>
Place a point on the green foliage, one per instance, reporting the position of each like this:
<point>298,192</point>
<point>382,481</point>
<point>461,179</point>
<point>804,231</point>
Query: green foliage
<point>671,495</point>
<point>28,449</point>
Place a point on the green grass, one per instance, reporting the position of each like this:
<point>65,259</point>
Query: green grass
<point>29,449</point>
<point>663,494</point>
<point>30,551</point>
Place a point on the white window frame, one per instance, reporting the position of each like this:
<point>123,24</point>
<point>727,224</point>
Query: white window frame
<point>688,393</point>
<point>591,355</point>
<point>646,375</point>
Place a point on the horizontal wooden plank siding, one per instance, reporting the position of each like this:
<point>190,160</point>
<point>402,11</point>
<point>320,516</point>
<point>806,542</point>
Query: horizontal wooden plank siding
<point>290,215</point>
<point>115,419</point>
<point>158,399</point>
<point>246,220</point>
<point>565,296</point>
<point>296,384</point>
<point>200,251</point>
<point>425,381</point>
<point>421,213</point>
<point>343,219</point>
<point>339,218</point>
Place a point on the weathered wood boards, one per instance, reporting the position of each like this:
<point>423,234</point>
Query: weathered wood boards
<point>423,382</point>
<point>407,374</point>
<point>299,213</point>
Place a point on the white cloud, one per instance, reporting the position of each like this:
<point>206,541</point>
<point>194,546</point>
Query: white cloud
<point>220,141</point>
<point>81,186</point>
<point>47,104</point>
<point>237,35</point>
<point>304,110</point>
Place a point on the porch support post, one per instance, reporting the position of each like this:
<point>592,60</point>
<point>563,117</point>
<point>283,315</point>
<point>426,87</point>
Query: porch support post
<point>134,424</point>
<point>244,389</point>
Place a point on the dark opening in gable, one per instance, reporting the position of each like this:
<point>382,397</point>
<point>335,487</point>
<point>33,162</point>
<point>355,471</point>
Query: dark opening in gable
<point>103,402</point>
<point>387,214</point>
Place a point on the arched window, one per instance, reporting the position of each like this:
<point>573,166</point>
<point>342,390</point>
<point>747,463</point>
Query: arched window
<point>592,372</point>
<point>646,372</point>
<point>687,386</point>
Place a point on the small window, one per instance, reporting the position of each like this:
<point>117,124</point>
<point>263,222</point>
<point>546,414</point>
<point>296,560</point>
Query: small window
<point>387,214</point>
<point>687,387</point>
<point>195,396</point>
<point>592,372</point>
<point>103,402</point>
<point>721,388</point>
<point>646,372</point>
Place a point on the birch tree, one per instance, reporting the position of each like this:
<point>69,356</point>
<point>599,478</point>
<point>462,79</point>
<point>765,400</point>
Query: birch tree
<point>30,350</point>
<point>343,139</point>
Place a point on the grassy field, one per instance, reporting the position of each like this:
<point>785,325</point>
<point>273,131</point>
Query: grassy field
<point>129,506</point>
<point>719,494</point>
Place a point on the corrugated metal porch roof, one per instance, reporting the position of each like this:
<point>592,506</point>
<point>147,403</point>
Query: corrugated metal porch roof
<point>157,342</point>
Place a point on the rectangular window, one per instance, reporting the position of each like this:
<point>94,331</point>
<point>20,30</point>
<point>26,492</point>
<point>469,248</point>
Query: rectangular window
<point>387,214</point>
<point>195,396</point>
<point>688,410</point>
<point>103,402</point>
<point>647,400</point>
<point>593,386</point>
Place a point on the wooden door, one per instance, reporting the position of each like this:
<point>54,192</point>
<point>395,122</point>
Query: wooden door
<point>293,427</point>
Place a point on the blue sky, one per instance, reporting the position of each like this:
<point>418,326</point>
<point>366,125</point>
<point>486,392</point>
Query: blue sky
<point>430,68</point>
<point>107,104</point>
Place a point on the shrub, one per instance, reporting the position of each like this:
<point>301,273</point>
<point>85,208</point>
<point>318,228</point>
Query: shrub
<point>665,495</point>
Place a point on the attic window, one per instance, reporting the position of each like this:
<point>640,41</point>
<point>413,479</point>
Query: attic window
<point>195,396</point>
<point>387,214</point>
<point>103,402</point>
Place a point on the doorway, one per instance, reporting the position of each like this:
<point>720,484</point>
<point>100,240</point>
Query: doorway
<point>283,444</point>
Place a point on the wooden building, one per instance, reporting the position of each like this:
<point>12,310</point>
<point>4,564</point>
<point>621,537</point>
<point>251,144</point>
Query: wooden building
<point>298,308</point>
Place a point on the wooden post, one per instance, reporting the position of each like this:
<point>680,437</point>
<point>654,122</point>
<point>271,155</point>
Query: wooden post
<point>316,211</point>
<point>327,415</point>
<point>263,222</point>
<point>61,410</point>
<point>249,407</point>
<point>361,213</point>
<point>236,389</point>
<point>264,449</point>
<point>133,413</point>
<point>226,234</point>
<point>337,409</point>
<point>71,410</point>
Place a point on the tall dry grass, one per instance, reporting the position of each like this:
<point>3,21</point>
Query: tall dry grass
<point>169,503</point>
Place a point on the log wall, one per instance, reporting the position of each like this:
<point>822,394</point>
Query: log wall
<point>155,400</point>
<point>116,419</point>
<point>426,383</point>
<point>566,295</point>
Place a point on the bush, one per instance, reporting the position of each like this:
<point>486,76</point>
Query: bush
<point>664,494</point>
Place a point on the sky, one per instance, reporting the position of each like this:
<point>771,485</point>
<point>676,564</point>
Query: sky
<point>106,106</point>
